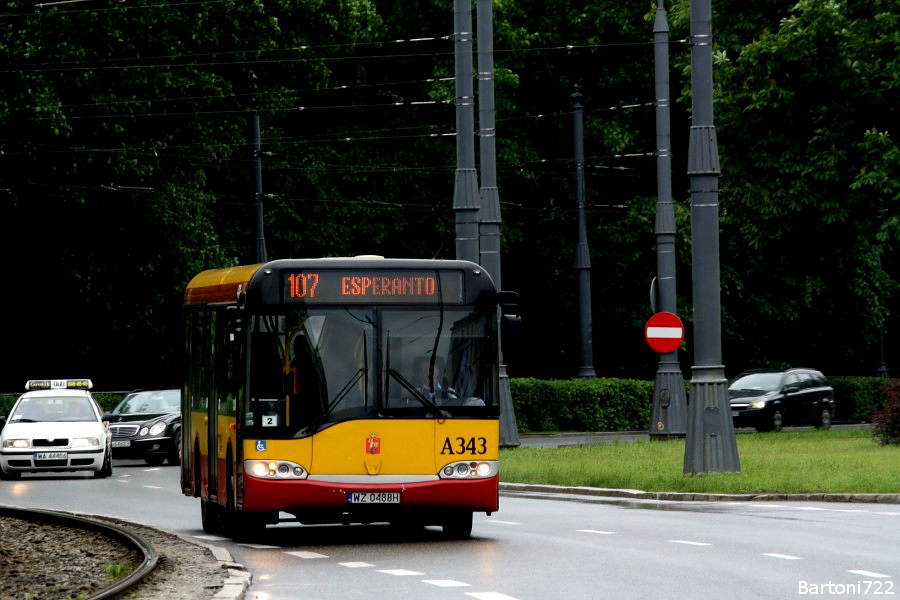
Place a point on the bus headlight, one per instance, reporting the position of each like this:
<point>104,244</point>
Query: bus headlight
<point>274,469</point>
<point>475,469</point>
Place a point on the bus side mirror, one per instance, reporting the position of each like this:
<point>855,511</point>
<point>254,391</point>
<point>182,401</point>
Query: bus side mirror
<point>509,320</point>
<point>234,323</point>
<point>507,298</point>
<point>510,326</point>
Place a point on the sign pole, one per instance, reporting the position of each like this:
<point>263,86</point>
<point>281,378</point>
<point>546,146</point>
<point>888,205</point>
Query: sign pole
<point>669,413</point>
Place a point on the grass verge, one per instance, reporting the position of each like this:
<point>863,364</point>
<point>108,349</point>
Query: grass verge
<point>801,462</point>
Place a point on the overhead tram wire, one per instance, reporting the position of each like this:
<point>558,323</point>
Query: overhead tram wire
<point>182,56</point>
<point>333,137</point>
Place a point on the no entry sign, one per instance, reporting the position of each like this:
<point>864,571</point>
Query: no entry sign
<point>664,332</point>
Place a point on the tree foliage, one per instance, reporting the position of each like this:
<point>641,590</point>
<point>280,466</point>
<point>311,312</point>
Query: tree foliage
<point>127,166</point>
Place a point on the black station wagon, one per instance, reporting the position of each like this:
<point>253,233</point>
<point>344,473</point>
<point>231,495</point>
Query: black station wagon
<point>770,399</point>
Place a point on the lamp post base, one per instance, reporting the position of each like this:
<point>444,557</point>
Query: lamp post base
<point>711,445</point>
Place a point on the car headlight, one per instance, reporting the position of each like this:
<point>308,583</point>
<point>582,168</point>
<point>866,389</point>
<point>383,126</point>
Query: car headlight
<point>758,404</point>
<point>157,428</point>
<point>82,442</point>
<point>12,443</point>
<point>470,470</point>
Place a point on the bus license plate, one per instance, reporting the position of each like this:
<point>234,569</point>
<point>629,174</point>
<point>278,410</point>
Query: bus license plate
<point>373,497</point>
<point>50,456</point>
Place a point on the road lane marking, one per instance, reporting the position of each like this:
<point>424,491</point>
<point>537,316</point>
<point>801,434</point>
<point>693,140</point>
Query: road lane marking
<point>213,538</point>
<point>596,531</point>
<point>356,565</point>
<point>489,596</point>
<point>260,546</point>
<point>499,522</point>
<point>399,572</point>
<point>690,543</point>
<point>869,574</point>
<point>784,556</point>
<point>305,554</point>
<point>447,583</point>
<point>153,487</point>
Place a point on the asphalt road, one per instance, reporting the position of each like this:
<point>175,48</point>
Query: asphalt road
<point>541,544</point>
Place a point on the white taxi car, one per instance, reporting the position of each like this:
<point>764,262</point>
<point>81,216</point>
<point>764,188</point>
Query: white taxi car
<point>56,425</point>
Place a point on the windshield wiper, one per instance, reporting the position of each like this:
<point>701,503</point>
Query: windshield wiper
<point>417,394</point>
<point>339,397</point>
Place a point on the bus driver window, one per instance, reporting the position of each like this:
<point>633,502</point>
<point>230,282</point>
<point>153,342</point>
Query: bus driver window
<point>303,384</point>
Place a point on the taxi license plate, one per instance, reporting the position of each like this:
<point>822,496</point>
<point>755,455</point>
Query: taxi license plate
<point>121,443</point>
<point>51,455</point>
<point>373,497</point>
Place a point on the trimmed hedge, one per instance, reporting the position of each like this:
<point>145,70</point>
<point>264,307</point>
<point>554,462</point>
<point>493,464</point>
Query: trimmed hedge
<point>581,404</point>
<point>626,404</point>
<point>857,398</point>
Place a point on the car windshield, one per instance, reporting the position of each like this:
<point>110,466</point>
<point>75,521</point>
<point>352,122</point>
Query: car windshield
<point>44,409</point>
<point>163,401</point>
<point>763,382</point>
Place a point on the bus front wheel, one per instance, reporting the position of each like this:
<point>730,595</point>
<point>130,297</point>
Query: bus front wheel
<point>458,525</point>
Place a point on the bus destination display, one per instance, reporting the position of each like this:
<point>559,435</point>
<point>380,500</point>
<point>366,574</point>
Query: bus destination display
<point>372,286</point>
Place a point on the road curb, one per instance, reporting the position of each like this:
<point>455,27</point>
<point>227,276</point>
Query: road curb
<point>238,578</point>
<point>699,497</point>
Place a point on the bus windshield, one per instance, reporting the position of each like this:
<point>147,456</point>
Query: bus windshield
<point>315,366</point>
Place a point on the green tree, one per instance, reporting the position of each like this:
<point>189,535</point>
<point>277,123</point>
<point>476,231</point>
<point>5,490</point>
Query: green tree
<point>800,226</point>
<point>120,127</point>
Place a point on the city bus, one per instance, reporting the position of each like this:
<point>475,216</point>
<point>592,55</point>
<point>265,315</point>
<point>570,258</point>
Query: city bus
<point>342,390</point>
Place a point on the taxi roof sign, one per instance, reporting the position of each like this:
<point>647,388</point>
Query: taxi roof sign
<point>58,384</point>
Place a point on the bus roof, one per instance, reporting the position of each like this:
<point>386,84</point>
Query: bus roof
<point>219,285</point>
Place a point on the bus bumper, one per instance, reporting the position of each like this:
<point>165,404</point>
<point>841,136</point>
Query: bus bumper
<point>478,495</point>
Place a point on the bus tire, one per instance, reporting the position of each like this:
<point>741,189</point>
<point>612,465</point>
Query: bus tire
<point>210,516</point>
<point>458,525</point>
<point>245,527</point>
